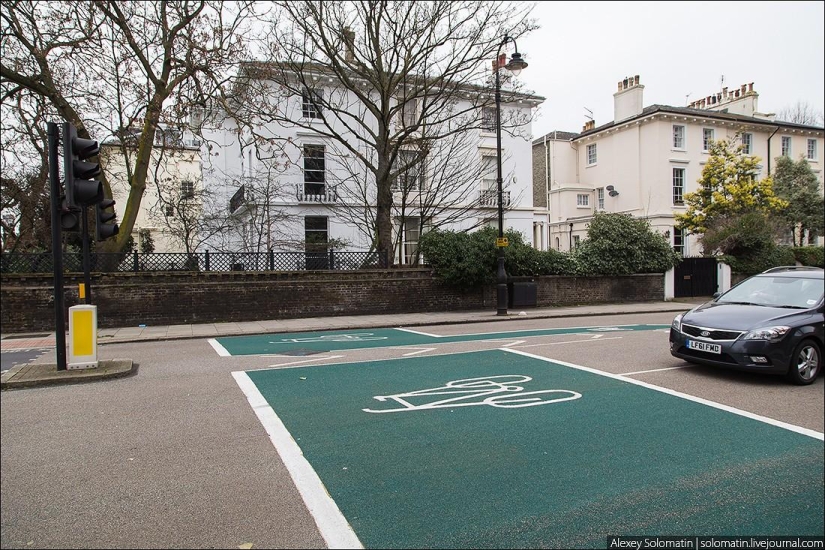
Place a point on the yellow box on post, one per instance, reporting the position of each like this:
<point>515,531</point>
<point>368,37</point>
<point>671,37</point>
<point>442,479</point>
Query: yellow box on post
<point>82,337</point>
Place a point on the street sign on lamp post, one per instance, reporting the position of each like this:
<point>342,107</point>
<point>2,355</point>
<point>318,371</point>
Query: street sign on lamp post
<point>515,65</point>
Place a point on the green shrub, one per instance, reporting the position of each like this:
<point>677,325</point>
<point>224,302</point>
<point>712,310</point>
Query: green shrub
<point>456,258</point>
<point>810,255</point>
<point>760,260</point>
<point>744,235</point>
<point>619,244</point>
<point>468,260</point>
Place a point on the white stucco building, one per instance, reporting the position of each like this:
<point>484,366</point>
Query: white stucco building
<point>646,159</point>
<point>290,185</point>
<point>173,185</point>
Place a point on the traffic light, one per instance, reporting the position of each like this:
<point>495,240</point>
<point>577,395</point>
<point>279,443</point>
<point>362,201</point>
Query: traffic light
<point>103,228</point>
<point>81,189</point>
<point>69,218</point>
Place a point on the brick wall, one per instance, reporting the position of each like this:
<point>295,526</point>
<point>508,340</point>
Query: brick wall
<point>126,299</point>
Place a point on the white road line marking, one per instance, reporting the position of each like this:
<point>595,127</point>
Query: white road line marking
<point>219,349</point>
<point>420,350</point>
<point>596,336</point>
<point>305,361</point>
<point>513,343</point>
<point>332,524</point>
<point>600,328</point>
<point>655,370</point>
<point>590,328</point>
<point>419,332</point>
<point>790,427</point>
<point>360,361</point>
<point>569,342</point>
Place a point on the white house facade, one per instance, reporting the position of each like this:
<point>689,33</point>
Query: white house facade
<point>646,160</point>
<point>173,188</point>
<point>292,186</point>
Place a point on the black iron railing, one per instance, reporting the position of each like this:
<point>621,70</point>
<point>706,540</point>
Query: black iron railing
<point>490,198</point>
<point>238,199</point>
<point>335,260</point>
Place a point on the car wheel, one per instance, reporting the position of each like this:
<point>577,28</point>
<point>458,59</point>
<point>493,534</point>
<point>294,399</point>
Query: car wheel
<point>806,362</point>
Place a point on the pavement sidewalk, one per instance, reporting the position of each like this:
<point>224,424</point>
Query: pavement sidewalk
<point>37,374</point>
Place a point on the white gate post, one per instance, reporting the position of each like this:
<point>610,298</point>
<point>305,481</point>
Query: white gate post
<point>722,276</point>
<point>670,277</point>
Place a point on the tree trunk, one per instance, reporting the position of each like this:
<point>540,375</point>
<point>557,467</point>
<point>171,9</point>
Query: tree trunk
<point>138,184</point>
<point>383,214</point>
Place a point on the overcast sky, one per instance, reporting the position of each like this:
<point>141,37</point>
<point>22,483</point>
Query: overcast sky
<point>677,48</point>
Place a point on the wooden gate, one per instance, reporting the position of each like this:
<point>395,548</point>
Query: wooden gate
<point>695,277</point>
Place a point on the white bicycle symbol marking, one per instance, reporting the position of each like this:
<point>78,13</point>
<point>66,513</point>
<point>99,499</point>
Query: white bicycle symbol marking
<point>359,337</point>
<point>496,391</point>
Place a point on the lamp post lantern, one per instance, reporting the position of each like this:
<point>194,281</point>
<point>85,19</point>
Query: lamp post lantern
<point>515,65</point>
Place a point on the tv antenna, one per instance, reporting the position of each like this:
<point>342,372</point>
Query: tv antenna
<point>590,116</point>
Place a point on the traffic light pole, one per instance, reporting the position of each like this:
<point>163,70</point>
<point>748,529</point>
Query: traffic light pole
<point>87,278</point>
<point>57,250</point>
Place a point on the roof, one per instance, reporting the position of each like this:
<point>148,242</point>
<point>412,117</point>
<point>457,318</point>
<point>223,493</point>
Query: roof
<point>556,135</point>
<point>264,69</point>
<point>721,115</point>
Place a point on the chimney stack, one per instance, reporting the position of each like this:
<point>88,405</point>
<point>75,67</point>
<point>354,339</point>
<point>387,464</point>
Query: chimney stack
<point>740,101</point>
<point>349,45</point>
<point>628,100</point>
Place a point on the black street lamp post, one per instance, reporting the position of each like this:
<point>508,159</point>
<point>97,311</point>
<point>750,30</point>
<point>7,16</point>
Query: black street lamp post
<point>515,65</point>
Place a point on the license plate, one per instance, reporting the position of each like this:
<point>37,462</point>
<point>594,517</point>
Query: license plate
<point>704,346</point>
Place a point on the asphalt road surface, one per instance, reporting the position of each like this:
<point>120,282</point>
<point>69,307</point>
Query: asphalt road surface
<point>175,457</point>
<point>9,359</point>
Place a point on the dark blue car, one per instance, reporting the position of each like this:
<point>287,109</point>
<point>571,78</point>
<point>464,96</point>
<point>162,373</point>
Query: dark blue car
<point>771,323</point>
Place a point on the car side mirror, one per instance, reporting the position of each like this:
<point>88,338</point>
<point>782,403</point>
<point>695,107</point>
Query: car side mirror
<point>716,295</point>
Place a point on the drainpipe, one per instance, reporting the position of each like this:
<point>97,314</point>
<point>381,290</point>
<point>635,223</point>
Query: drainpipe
<point>546,167</point>
<point>575,147</point>
<point>571,237</point>
<point>546,185</point>
<point>769,149</point>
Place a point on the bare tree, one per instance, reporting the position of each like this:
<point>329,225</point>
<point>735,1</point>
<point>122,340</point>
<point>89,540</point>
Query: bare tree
<point>183,209</point>
<point>454,186</point>
<point>258,220</point>
<point>437,184</point>
<point>801,112</point>
<point>347,70</point>
<point>109,67</point>
<point>24,187</point>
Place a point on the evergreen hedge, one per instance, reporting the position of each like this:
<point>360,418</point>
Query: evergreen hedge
<point>617,244</point>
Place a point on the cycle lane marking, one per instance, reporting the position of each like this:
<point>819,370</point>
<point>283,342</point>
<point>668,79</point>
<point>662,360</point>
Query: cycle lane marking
<point>350,340</point>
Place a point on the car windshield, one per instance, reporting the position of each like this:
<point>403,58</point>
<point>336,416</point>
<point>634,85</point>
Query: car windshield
<point>765,290</point>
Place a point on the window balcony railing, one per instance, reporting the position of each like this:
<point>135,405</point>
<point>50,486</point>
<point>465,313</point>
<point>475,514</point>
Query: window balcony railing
<point>489,198</point>
<point>411,184</point>
<point>313,192</point>
<point>238,199</point>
